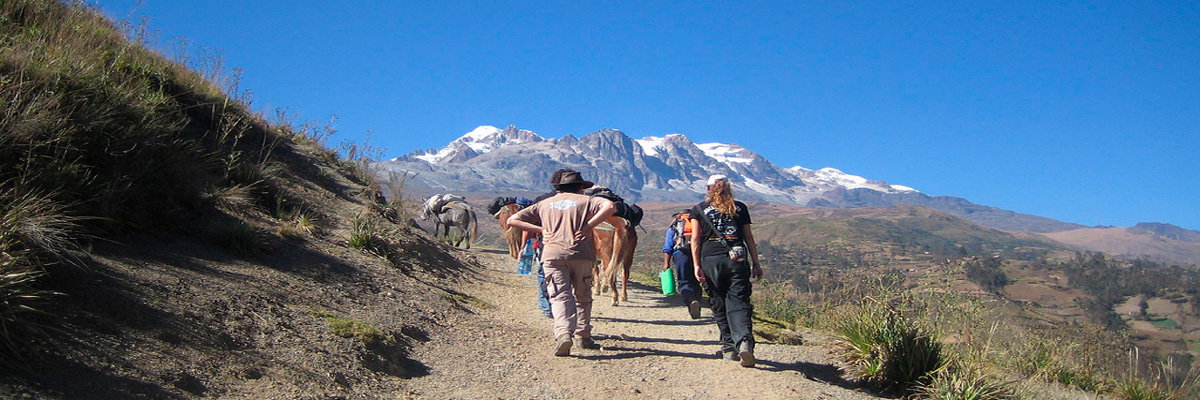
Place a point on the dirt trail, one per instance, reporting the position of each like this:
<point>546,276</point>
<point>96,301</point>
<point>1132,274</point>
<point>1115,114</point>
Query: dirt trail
<point>650,350</point>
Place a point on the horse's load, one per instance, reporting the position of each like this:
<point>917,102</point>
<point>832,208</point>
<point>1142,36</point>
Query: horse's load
<point>500,202</point>
<point>439,201</point>
<point>630,212</point>
<point>448,211</point>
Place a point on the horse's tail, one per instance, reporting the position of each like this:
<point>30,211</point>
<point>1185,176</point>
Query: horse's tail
<point>473,226</point>
<point>630,248</point>
<point>614,262</point>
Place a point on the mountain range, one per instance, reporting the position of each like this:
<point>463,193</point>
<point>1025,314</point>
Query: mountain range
<point>493,161</point>
<point>511,161</point>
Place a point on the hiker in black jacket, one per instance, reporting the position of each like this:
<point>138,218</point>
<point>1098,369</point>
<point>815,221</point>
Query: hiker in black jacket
<point>725,258</point>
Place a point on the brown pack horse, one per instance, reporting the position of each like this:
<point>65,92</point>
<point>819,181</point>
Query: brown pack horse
<point>512,235</point>
<point>615,244</point>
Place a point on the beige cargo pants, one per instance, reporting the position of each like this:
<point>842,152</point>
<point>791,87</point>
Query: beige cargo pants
<point>569,285</point>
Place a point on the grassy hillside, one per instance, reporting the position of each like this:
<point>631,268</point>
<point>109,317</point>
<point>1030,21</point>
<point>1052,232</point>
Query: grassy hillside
<point>1004,305</point>
<point>158,239</point>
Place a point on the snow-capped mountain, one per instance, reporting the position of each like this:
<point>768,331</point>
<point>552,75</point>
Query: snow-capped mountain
<point>493,161</point>
<point>478,141</point>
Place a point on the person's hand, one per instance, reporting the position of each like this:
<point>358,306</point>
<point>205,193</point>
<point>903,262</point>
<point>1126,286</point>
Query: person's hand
<point>756,272</point>
<point>666,266</point>
<point>699,274</point>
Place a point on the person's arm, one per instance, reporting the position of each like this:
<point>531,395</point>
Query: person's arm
<point>696,250</point>
<point>606,210</point>
<point>518,221</point>
<point>755,269</point>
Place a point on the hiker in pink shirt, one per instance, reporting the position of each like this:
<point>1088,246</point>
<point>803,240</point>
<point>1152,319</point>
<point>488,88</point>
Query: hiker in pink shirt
<point>565,222</point>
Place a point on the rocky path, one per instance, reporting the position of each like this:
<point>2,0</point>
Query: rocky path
<point>651,349</point>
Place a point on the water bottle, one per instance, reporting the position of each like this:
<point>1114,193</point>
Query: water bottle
<point>525,266</point>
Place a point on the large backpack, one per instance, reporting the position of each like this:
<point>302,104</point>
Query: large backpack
<point>631,212</point>
<point>683,231</point>
<point>499,203</point>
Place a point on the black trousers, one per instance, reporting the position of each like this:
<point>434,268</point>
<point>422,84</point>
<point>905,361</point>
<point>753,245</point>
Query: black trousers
<point>729,290</point>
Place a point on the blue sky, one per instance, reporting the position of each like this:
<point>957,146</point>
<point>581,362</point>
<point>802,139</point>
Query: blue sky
<point>1086,112</point>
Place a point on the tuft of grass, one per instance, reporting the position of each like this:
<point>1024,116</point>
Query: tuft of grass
<point>242,239</point>
<point>365,234</point>
<point>20,302</point>
<point>237,198</point>
<point>889,350</point>
<point>350,329</point>
<point>34,232</point>
<point>1174,378</point>
<point>966,384</point>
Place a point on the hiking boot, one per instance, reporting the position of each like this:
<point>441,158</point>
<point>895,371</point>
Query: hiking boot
<point>587,343</point>
<point>746,354</point>
<point>694,309</point>
<point>563,348</point>
<point>729,356</point>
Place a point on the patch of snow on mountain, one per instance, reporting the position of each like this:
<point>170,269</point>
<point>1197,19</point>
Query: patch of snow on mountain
<point>480,133</point>
<point>761,188</point>
<point>651,145</point>
<point>723,152</point>
<point>837,177</point>
<point>434,158</point>
<point>480,139</point>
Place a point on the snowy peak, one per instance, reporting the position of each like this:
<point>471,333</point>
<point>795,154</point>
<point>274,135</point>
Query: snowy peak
<point>728,154</point>
<point>478,141</point>
<point>655,146</point>
<point>833,177</point>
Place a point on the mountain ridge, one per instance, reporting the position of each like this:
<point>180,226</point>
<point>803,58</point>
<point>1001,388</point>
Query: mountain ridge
<point>491,160</point>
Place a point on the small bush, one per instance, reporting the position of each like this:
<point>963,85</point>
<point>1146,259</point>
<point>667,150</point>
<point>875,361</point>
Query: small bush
<point>890,350</point>
<point>236,199</point>
<point>19,302</point>
<point>365,234</point>
<point>967,384</point>
<point>242,239</point>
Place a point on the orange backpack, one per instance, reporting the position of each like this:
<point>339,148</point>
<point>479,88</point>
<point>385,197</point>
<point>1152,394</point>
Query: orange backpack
<point>683,230</point>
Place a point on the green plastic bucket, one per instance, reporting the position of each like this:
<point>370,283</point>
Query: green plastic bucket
<point>667,279</point>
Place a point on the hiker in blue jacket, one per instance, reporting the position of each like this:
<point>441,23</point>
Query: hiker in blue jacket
<point>676,249</point>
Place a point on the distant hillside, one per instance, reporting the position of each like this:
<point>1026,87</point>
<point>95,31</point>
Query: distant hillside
<point>1157,242</point>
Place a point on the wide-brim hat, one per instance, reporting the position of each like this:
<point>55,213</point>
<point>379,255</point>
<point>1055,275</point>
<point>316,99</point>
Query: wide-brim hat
<point>568,177</point>
<point>716,178</point>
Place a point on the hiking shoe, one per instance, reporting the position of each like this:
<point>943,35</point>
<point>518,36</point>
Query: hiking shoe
<point>587,343</point>
<point>694,309</point>
<point>729,356</point>
<point>746,354</point>
<point>563,348</point>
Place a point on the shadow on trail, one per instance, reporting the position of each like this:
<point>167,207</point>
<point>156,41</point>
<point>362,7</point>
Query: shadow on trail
<point>491,251</point>
<point>692,322</point>
<point>663,340</point>
<point>824,373</point>
<point>623,353</point>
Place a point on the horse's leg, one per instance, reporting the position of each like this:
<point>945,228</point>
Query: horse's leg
<point>628,262</point>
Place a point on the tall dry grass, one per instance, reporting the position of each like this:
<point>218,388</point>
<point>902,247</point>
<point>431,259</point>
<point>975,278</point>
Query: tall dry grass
<point>102,136</point>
